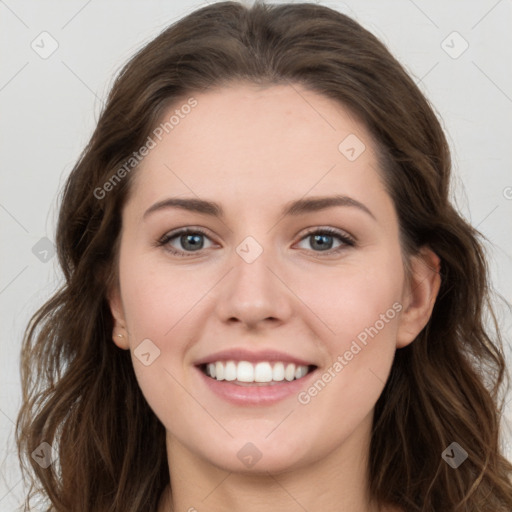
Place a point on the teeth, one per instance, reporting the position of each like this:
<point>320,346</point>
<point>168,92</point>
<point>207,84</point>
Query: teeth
<point>219,371</point>
<point>301,371</point>
<point>230,370</point>
<point>245,372</point>
<point>278,372</point>
<point>289,373</point>
<point>261,372</point>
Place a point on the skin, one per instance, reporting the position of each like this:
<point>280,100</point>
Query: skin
<point>253,150</point>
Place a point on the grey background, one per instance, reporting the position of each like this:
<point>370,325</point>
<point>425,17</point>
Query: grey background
<point>49,107</point>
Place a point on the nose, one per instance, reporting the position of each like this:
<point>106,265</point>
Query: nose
<point>255,293</point>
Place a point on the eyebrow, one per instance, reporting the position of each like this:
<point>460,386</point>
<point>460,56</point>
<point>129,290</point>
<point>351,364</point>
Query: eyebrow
<point>294,208</point>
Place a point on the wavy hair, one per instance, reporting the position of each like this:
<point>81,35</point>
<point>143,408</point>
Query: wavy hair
<point>80,394</point>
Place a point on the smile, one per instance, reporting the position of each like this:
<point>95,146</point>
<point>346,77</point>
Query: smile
<point>255,384</point>
<point>260,373</point>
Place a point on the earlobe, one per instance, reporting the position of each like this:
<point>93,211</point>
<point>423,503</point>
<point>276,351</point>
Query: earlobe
<point>120,333</point>
<point>420,295</point>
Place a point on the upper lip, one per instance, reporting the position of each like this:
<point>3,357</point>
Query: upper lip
<point>242,354</point>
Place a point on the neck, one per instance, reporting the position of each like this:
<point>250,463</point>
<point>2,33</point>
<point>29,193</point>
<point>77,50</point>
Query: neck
<point>337,481</point>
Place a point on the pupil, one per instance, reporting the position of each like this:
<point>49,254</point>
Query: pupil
<point>195,241</point>
<point>323,244</point>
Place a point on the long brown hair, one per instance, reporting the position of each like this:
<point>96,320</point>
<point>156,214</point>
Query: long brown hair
<point>80,394</point>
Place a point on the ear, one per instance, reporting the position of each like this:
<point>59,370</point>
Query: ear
<point>120,333</point>
<point>419,296</point>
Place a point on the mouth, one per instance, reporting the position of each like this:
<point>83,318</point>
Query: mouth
<point>263,373</point>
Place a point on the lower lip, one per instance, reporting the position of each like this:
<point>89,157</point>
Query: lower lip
<point>256,395</point>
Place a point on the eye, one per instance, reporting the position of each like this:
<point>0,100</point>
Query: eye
<point>322,239</point>
<point>190,240</point>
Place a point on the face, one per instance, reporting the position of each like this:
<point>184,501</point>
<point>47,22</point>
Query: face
<point>261,281</point>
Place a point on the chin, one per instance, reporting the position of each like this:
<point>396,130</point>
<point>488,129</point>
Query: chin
<point>259,456</point>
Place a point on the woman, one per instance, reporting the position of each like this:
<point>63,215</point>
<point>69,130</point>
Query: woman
<point>325,348</point>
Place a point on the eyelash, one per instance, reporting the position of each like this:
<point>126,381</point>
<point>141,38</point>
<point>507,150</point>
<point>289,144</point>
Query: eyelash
<point>343,237</point>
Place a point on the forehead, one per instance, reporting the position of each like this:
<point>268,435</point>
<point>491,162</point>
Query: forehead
<point>245,142</point>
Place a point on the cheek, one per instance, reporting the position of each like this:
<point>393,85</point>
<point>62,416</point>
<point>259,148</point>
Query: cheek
<point>159,311</point>
<point>353,297</point>
<point>157,299</point>
<point>361,306</point>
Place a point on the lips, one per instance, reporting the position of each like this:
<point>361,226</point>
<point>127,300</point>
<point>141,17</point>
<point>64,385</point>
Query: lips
<point>244,377</point>
<point>244,366</point>
<point>254,393</point>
